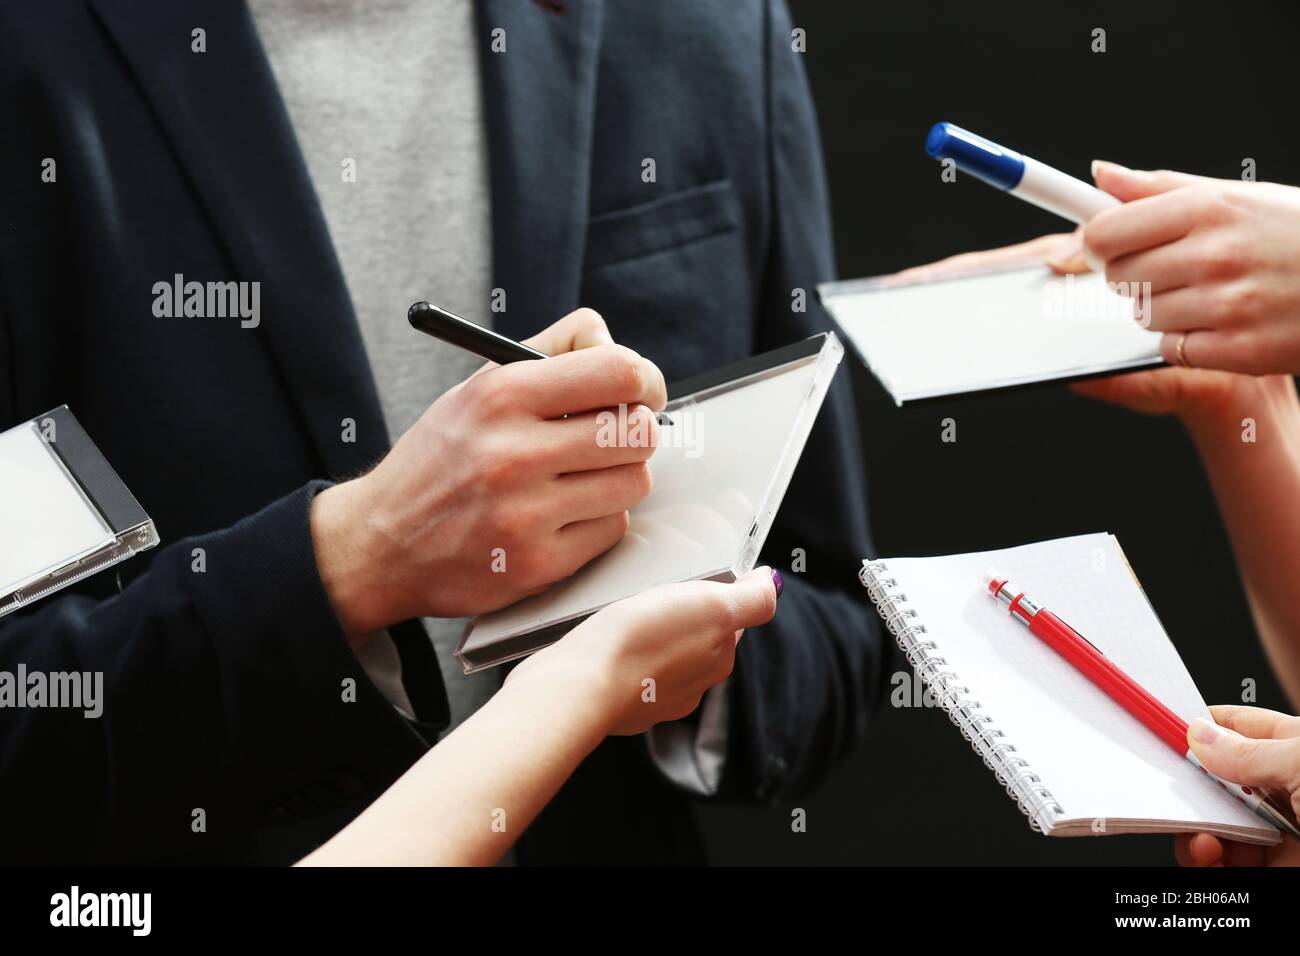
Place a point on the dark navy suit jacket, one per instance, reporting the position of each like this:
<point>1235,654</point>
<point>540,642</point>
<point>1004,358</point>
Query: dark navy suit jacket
<point>223,686</point>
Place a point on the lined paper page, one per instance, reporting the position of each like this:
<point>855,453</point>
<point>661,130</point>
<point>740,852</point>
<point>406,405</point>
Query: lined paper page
<point>1097,760</point>
<point>988,331</point>
<point>44,519</point>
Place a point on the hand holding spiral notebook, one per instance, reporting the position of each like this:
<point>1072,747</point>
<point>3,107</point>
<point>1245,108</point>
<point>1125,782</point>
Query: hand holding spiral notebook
<point>1077,762</point>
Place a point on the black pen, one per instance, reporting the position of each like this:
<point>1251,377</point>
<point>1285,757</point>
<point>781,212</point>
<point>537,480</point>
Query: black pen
<point>464,334</point>
<point>485,343</point>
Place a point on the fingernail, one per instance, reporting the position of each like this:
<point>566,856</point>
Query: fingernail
<point>1094,263</point>
<point>778,582</point>
<point>1205,732</point>
<point>1097,164</point>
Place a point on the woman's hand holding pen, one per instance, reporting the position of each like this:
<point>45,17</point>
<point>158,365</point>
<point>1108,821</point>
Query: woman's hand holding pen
<point>1203,266</point>
<point>494,494</point>
<point>1220,257</point>
<point>1204,225</point>
<point>1261,749</point>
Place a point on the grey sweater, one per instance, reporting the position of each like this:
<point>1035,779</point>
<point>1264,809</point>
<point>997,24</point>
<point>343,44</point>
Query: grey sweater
<point>385,100</point>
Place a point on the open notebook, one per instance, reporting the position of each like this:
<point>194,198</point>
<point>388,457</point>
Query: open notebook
<point>988,331</point>
<point>720,472</point>
<point>1077,762</point>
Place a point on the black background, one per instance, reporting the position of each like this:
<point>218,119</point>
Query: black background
<point>1197,87</point>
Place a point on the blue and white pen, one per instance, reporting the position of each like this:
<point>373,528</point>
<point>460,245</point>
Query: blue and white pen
<point>1017,174</point>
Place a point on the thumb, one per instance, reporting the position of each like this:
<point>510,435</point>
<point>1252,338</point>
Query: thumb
<point>751,599</point>
<point>1067,254</point>
<point>1244,760</point>
<point>1128,184</point>
<point>687,606</point>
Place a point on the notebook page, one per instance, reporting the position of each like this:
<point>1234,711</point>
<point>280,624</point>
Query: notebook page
<point>988,331</point>
<point>1096,759</point>
<point>711,470</point>
<point>44,519</point>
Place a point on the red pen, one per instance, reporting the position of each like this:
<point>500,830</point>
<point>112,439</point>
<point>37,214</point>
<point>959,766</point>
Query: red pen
<point>1124,690</point>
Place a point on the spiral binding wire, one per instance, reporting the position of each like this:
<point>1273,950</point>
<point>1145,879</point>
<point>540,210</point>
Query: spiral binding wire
<point>998,754</point>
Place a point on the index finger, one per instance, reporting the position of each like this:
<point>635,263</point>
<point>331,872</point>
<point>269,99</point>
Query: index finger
<point>580,329</point>
<point>603,376</point>
<point>1141,224</point>
<point>1197,849</point>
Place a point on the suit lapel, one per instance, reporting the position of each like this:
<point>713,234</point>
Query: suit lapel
<point>539,100</point>
<point>223,114</point>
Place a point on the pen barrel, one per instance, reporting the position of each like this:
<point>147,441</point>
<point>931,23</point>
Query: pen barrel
<point>462,333</point>
<point>1121,688</point>
<point>1250,797</point>
<point>1064,195</point>
<point>1086,658</point>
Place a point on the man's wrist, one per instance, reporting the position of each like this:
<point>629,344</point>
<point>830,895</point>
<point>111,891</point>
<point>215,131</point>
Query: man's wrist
<point>349,561</point>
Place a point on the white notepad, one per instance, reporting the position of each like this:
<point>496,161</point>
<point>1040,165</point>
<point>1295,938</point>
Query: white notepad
<point>720,472</point>
<point>44,516</point>
<point>988,331</point>
<point>1077,762</point>
<point>64,513</point>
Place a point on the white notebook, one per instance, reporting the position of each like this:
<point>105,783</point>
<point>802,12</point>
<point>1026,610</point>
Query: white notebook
<point>44,516</point>
<point>1077,762</point>
<point>64,513</point>
<point>720,472</point>
<point>988,331</point>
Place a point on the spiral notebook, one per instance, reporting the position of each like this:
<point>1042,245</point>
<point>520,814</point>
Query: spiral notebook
<point>1077,763</point>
